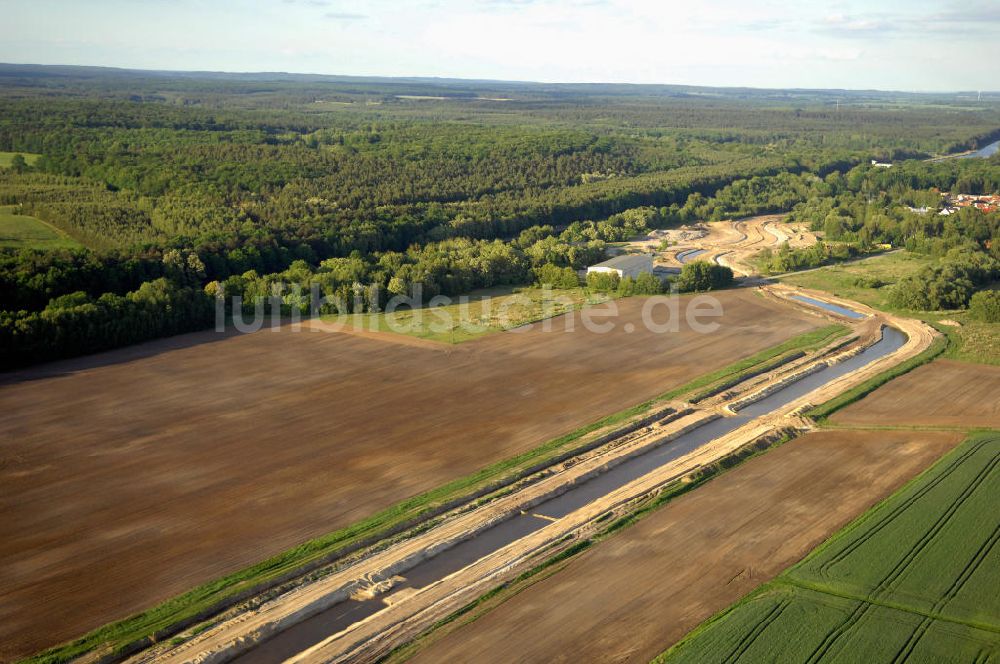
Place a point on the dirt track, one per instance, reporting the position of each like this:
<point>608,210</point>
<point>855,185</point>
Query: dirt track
<point>637,593</point>
<point>242,448</point>
<point>734,243</point>
<point>943,393</point>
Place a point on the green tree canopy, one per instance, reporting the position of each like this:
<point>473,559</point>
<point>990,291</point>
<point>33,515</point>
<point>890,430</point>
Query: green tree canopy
<point>703,276</point>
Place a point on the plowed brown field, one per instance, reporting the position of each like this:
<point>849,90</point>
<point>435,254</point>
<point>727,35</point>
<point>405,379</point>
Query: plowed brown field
<point>942,393</point>
<point>635,594</point>
<point>129,477</point>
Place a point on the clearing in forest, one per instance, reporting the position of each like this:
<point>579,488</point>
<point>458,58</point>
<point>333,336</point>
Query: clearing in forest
<point>21,231</point>
<point>6,158</point>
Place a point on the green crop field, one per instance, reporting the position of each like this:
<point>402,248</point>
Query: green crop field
<point>29,158</point>
<point>21,231</point>
<point>913,579</point>
<point>931,547</point>
<point>791,624</point>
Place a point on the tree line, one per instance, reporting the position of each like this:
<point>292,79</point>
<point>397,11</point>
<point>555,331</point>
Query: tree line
<point>217,187</point>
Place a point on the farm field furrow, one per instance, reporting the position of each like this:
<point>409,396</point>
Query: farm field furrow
<point>679,565</point>
<point>252,444</point>
<point>914,579</point>
<point>942,393</point>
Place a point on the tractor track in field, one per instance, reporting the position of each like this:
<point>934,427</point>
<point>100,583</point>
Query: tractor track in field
<point>758,629</point>
<point>901,508</point>
<point>871,600</point>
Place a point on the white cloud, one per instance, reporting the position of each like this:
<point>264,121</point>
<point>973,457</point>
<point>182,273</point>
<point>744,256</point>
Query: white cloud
<point>857,25</point>
<point>906,44</point>
<point>345,16</point>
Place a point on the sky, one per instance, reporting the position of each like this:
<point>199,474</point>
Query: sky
<point>920,45</point>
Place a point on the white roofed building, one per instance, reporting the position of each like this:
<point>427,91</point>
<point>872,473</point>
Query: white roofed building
<point>628,265</point>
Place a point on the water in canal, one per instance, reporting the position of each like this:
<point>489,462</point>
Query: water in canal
<point>690,255</point>
<point>983,153</point>
<point>829,306</point>
<point>313,630</point>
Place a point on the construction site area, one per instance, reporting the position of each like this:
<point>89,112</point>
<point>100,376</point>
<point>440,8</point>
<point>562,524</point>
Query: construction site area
<point>461,527</point>
<point>364,607</point>
<point>361,368</point>
<point>694,557</point>
<point>176,472</point>
<point>730,243</point>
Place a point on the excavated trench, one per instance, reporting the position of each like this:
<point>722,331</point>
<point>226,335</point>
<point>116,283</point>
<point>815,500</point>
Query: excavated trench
<point>690,255</point>
<point>829,306</point>
<point>339,617</point>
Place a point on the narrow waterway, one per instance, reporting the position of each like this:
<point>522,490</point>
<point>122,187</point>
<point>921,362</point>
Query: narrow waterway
<point>339,617</point>
<point>983,153</point>
<point>690,255</point>
<point>829,306</point>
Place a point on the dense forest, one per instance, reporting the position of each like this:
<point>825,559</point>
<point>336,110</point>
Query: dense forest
<point>182,187</point>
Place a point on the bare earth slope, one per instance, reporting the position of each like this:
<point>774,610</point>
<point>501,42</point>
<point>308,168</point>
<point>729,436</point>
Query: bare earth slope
<point>942,393</point>
<point>133,480</point>
<point>640,591</point>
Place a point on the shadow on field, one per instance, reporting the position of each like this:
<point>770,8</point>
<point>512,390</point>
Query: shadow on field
<point>116,356</point>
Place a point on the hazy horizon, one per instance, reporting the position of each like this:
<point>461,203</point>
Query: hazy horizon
<point>919,46</point>
<point>511,81</point>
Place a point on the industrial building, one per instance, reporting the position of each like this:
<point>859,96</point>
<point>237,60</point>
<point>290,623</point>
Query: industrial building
<point>628,265</point>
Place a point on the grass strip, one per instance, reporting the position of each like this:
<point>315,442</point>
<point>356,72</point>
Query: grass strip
<point>163,621</point>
